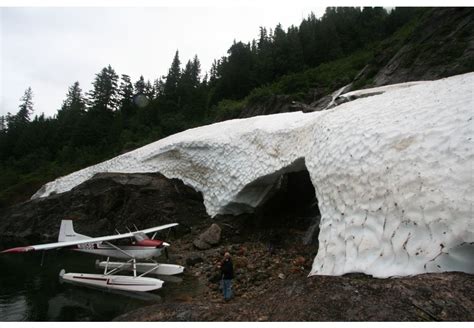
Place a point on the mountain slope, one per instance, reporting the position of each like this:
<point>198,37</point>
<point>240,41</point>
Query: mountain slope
<point>438,43</point>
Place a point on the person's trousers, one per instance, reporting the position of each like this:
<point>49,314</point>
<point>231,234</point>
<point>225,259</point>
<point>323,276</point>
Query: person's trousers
<point>227,288</point>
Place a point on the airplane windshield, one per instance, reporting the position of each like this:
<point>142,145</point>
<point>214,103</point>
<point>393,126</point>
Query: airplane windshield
<point>139,236</point>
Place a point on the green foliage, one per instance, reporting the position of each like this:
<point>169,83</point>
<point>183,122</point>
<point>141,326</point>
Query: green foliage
<point>262,94</point>
<point>172,79</point>
<point>327,76</point>
<point>26,107</point>
<point>104,95</point>
<point>228,109</point>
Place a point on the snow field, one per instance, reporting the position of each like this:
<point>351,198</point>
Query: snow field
<point>393,173</point>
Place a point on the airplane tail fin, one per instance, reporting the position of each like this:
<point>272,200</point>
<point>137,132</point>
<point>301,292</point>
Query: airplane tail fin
<point>67,233</point>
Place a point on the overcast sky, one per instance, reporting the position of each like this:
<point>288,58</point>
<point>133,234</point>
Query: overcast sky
<point>51,48</point>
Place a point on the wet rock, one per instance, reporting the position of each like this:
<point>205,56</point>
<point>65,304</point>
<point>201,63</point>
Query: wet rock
<point>311,234</point>
<point>184,316</point>
<point>192,260</point>
<point>242,250</point>
<point>260,276</point>
<point>240,262</point>
<point>215,278</point>
<point>299,261</point>
<point>199,244</point>
<point>216,253</point>
<point>168,207</point>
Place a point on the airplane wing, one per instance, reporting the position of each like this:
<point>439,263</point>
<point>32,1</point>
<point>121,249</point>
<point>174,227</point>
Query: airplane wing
<point>83,241</point>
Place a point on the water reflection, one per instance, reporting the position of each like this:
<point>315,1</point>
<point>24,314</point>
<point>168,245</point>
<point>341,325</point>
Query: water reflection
<point>90,305</point>
<point>13,310</point>
<point>31,292</point>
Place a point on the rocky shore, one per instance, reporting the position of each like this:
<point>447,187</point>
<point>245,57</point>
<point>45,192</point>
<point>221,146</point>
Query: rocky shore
<point>428,297</point>
<point>272,284</point>
<point>275,287</point>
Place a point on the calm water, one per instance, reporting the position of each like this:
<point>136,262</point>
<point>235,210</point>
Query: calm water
<point>30,291</point>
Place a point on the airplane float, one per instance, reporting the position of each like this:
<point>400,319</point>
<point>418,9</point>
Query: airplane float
<point>142,248</point>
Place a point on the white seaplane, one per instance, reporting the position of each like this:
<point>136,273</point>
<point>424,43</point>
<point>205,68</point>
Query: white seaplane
<point>142,248</point>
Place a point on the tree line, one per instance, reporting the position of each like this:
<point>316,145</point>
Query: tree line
<point>119,114</point>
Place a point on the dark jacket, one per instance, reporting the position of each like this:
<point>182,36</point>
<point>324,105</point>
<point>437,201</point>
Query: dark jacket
<point>227,269</point>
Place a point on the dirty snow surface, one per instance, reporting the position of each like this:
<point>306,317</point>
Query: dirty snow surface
<point>393,174</point>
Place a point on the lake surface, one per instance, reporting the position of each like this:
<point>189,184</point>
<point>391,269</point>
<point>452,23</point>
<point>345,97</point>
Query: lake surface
<point>30,291</point>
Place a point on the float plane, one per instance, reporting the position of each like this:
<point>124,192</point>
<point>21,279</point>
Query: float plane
<point>141,248</point>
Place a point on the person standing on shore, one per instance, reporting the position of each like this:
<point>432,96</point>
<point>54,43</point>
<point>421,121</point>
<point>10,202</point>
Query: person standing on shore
<point>227,273</point>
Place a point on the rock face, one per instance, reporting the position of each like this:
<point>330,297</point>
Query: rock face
<point>104,203</point>
<point>443,45</point>
<point>392,173</point>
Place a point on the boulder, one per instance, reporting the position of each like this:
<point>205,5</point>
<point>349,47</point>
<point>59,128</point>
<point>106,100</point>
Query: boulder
<point>208,238</point>
<point>199,244</point>
<point>212,235</point>
<point>193,260</point>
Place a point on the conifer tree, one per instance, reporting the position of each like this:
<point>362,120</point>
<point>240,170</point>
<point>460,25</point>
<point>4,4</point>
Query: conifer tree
<point>213,72</point>
<point>172,79</point>
<point>74,101</point>
<point>3,124</point>
<point>149,90</point>
<point>126,90</point>
<point>69,118</point>
<point>126,93</point>
<point>159,86</point>
<point>104,96</point>
<point>140,86</point>
<point>144,88</point>
<point>10,120</point>
<point>196,71</point>
<point>26,107</point>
